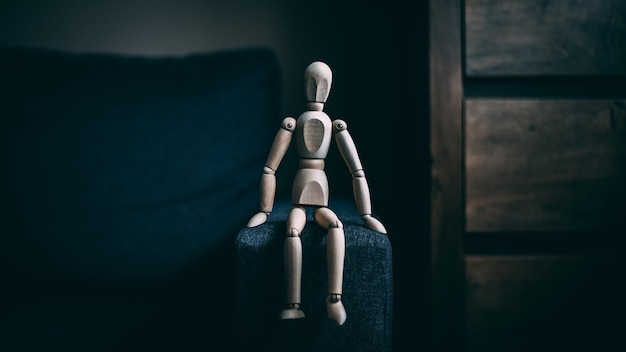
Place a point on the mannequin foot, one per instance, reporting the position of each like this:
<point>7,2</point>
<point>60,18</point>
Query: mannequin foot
<point>336,311</point>
<point>293,312</point>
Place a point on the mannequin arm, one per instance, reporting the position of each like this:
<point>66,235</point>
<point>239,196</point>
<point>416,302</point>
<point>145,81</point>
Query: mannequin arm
<point>268,179</point>
<point>360,188</point>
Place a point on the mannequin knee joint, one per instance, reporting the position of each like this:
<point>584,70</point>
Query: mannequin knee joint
<point>335,225</point>
<point>293,232</point>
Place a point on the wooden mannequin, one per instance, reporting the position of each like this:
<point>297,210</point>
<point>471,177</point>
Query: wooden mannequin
<point>313,131</point>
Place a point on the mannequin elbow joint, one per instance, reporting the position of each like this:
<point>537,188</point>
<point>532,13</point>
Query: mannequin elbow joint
<point>358,173</point>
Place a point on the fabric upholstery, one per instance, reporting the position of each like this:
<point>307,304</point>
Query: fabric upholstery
<point>367,290</point>
<point>124,181</point>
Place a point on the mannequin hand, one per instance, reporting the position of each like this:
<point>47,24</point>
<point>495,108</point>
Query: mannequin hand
<point>258,219</point>
<point>374,224</point>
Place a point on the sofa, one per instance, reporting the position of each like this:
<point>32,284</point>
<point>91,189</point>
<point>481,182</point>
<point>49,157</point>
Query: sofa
<point>367,287</point>
<point>127,182</point>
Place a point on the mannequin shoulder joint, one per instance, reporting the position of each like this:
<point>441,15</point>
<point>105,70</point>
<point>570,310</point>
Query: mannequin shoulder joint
<point>339,125</point>
<point>289,123</point>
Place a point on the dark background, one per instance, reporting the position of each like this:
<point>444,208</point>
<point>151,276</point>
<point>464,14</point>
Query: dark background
<point>378,54</point>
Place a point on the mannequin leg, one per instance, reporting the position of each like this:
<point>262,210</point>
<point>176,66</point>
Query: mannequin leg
<point>293,263</point>
<point>336,248</point>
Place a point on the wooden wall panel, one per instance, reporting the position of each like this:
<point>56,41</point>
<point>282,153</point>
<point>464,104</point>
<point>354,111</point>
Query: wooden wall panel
<point>545,37</point>
<point>542,185</point>
<point>530,303</point>
<point>540,165</point>
<point>446,148</point>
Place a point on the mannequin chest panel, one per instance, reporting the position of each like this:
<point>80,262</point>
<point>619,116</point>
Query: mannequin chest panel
<point>313,134</point>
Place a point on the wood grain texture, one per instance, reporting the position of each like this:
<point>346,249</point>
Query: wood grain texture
<point>545,303</point>
<point>446,94</point>
<point>543,165</point>
<point>545,37</point>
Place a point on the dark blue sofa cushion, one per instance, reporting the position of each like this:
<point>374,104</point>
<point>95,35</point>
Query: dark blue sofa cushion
<point>124,181</point>
<point>367,287</point>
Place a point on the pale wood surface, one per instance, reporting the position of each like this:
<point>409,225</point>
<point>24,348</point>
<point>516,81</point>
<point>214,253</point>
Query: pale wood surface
<point>310,187</point>
<point>268,179</point>
<point>336,251</point>
<point>281,143</point>
<point>318,78</point>
<point>346,146</point>
<point>539,165</point>
<point>293,269</point>
<point>313,133</point>
<point>268,191</point>
<point>360,186</point>
<point>545,37</point>
<point>552,302</point>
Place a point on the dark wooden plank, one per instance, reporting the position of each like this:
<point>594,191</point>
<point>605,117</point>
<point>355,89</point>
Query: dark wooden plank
<point>541,165</point>
<point>545,303</point>
<point>546,87</point>
<point>545,37</point>
<point>446,174</point>
<point>544,242</point>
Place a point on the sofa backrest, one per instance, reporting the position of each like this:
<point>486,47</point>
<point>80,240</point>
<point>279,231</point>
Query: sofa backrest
<point>130,168</point>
